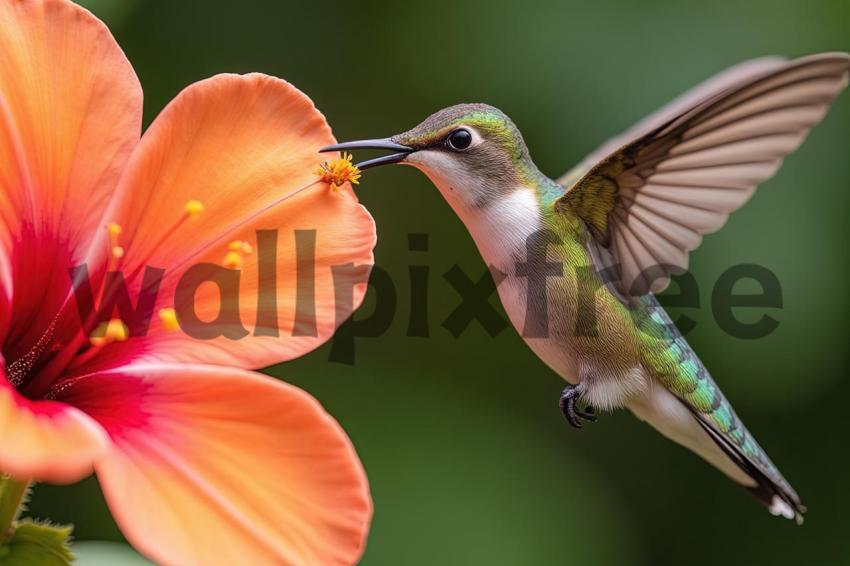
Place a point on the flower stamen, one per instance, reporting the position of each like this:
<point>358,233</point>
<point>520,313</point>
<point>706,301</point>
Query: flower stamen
<point>233,260</point>
<point>168,319</point>
<point>107,332</point>
<point>241,246</point>
<point>114,231</point>
<point>238,248</point>
<point>194,208</point>
<point>339,171</point>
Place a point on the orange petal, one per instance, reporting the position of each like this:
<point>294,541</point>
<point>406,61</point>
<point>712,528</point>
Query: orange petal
<point>46,440</point>
<point>215,465</point>
<point>70,115</point>
<point>237,145</point>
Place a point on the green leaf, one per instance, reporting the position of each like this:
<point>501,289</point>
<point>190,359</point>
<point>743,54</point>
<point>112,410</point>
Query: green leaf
<point>14,495</point>
<point>37,544</point>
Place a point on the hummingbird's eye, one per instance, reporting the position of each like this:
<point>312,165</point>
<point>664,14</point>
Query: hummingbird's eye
<point>459,139</point>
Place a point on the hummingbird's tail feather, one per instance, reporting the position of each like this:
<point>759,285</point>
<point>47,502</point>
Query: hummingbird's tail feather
<point>737,454</point>
<point>774,493</point>
<point>687,406</point>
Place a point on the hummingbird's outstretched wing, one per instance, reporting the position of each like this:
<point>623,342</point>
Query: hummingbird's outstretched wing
<point>741,72</point>
<point>653,192</point>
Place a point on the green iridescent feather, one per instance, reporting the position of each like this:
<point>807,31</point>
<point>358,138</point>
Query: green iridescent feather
<point>674,363</point>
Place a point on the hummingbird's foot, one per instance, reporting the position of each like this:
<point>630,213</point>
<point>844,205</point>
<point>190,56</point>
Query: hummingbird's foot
<point>574,415</point>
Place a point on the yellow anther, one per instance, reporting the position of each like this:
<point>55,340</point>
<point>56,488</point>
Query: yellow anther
<point>117,330</point>
<point>194,208</point>
<point>114,231</point>
<point>106,332</point>
<point>241,246</point>
<point>168,319</point>
<point>233,260</point>
<point>339,171</point>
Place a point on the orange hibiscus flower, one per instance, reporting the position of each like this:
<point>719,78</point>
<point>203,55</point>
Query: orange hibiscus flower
<point>200,460</point>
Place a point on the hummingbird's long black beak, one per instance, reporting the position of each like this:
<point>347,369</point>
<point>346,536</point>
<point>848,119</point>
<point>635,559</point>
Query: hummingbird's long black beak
<point>402,151</point>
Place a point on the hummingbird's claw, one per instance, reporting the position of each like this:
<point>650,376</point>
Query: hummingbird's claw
<point>587,414</point>
<point>574,415</point>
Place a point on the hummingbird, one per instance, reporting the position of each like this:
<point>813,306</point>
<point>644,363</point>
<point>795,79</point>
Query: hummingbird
<point>578,260</point>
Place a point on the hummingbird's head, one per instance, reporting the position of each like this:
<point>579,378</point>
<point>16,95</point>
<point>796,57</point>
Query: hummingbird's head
<point>472,152</point>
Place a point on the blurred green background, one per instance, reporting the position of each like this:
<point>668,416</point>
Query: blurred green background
<point>469,458</point>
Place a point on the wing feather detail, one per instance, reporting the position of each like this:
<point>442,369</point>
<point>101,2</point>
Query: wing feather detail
<point>678,175</point>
